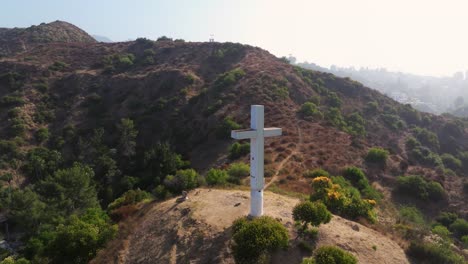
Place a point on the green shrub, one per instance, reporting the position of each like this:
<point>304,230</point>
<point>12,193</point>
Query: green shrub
<point>183,180</point>
<point>411,215</point>
<point>313,213</point>
<point>355,125</point>
<point>11,260</point>
<point>309,109</point>
<point>411,115</point>
<point>393,121</point>
<point>334,117</point>
<point>442,231</point>
<point>42,134</point>
<point>216,177</point>
<point>164,38</point>
<point>464,240</point>
<point>446,218</point>
<point>14,112</point>
<point>332,254</point>
<point>128,198</point>
<point>420,188</point>
<point>281,92</point>
<point>228,78</point>
<point>342,198</point>
<point>316,173</point>
<point>371,107</point>
<point>58,66</point>
<point>359,180</point>
<point>254,239</point>
<point>223,131</point>
<point>377,155</point>
<point>425,156</point>
<point>125,61</point>
<point>238,150</point>
<point>356,177</point>
<point>333,100</point>
<point>432,253</point>
<point>41,87</point>
<point>427,138</point>
<point>451,162</point>
<point>459,228</point>
<point>11,100</point>
<point>237,171</point>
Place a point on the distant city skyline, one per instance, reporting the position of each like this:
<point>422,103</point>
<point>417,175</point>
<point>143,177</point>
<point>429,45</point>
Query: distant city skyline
<point>421,37</point>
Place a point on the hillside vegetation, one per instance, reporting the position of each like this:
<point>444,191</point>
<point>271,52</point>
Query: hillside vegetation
<point>88,130</point>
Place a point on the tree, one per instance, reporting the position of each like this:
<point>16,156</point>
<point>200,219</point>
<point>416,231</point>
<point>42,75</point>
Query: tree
<point>127,138</point>
<point>78,240</point>
<point>70,189</point>
<point>314,213</point>
<point>25,209</point>
<point>158,162</point>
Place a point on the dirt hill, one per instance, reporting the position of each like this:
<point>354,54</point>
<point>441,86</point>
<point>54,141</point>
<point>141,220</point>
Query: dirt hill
<point>198,231</point>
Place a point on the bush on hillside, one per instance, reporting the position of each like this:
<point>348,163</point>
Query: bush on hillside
<point>228,78</point>
<point>433,253</point>
<point>425,156</point>
<point>331,254</point>
<point>334,117</point>
<point>309,109</point>
<point>420,188</point>
<point>316,173</point>
<point>11,100</point>
<point>459,228</point>
<point>254,239</point>
<point>216,177</point>
<point>359,180</point>
<point>342,198</point>
<point>238,150</point>
<point>355,125</point>
<point>393,121</point>
<point>42,134</point>
<point>427,138</point>
<point>411,215</point>
<point>58,66</point>
<point>183,180</point>
<point>237,171</point>
<point>164,38</point>
<point>377,156</point>
<point>446,218</point>
<point>128,198</point>
<point>451,162</point>
<point>224,129</point>
<point>313,213</point>
<point>333,100</point>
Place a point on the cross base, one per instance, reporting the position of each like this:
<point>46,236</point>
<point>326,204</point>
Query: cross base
<point>256,203</point>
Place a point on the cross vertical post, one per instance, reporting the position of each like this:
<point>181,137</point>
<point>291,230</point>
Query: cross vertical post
<point>256,134</point>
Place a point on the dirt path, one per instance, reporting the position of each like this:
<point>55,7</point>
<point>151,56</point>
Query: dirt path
<point>281,164</point>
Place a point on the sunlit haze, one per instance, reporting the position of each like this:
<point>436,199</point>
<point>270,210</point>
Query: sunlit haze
<point>422,37</point>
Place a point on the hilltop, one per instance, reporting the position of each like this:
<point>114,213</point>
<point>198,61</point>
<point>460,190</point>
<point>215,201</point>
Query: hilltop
<point>14,40</point>
<point>139,114</point>
<point>198,231</point>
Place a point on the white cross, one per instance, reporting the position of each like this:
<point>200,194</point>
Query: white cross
<point>256,133</point>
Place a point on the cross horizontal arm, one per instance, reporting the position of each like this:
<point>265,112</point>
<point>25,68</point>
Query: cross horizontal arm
<point>244,134</point>
<point>272,132</point>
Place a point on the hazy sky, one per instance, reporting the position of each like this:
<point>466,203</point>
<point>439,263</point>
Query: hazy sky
<point>417,36</point>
